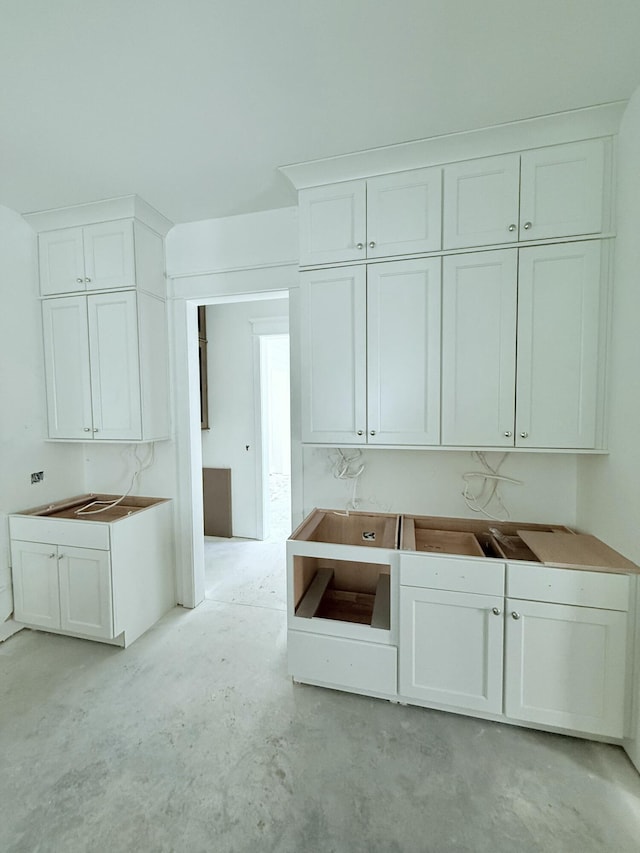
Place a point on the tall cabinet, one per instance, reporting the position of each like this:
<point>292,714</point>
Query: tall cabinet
<point>460,305</point>
<point>104,321</point>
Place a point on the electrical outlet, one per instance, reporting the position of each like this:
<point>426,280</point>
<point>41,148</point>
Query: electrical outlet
<point>37,477</point>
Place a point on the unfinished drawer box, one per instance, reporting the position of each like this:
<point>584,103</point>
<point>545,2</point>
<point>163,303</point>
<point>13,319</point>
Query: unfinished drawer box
<point>340,575</point>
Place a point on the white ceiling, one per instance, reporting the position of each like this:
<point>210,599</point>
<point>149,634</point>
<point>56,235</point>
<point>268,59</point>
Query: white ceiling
<point>193,104</point>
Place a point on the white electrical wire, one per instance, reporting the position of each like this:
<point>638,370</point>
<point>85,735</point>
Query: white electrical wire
<point>103,506</point>
<point>478,501</point>
<point>348,466</point>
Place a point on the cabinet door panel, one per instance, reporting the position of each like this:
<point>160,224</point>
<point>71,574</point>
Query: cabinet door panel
<point>558,345</point>
<point>332,222</point>
<point>479,303</point>
<point>109,255</point>
<point>481,202</point>
<point>451,646</point>
<point>403,345</point>
<point>565,666</point>
<point>85,592</point>
<point>115,372</point>
<point>404,213</point>
<point>66,352</point>
<point>35,584</point>
<point>333,357</point>
<point>562,190</point>
<point>61,261</point>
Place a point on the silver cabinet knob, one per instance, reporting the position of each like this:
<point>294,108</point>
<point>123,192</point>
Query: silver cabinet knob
<point>373,432</point>
<point>79,280</point>
<point>87,280</point>
<point>512,227</point>
<point>359,245</point>
<point>95,429</point>
<point>87,429</point>
<point>372,244</point>
<point>51,556</point>
<point>60,556</point>
<point>496,611</point>
<point>524,435</point>
<point>508,433</point>
<point>515,614</point>
<point>360,432</point>
<point>527,225</point>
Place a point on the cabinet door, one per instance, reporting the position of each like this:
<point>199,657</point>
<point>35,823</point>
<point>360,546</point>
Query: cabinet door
<point>479,304</point>
<point>66,357</point>
<point>35,584</point>
<point>404,213</point>
<point>332,223</point>
<point>115,370</point>
<point>61,261</point>
<point>451,647</point>
<point>481,202</point>
<point>565,666</point>
<point>333,356</point>
<point>562,190</point>
<point>109,255</point>
<point>558,345</point>
<point>403,348</point>
<point>85,592</point>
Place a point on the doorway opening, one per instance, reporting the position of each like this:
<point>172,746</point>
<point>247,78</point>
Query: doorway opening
<point>275,416</point>
<point>249,439</point>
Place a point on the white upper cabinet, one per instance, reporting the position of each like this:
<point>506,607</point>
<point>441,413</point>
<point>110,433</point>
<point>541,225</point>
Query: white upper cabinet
<point>404,213</point>
<point>481,202</point>
<point>115,367</point>
<point>371,354</point>
<point>479,311</point>
<point>332,222</point>
<point>562,190</point>
<point>68,381</point>
<point>559,345</point>
<point>548,299</point>
<point>395,214</point>
<point>403,352</point>
<point>334,353</point>
<point>544,193</point>
<point>93,257</point>
<point>106,367</point>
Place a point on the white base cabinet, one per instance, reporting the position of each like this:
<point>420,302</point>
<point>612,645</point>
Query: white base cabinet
<point>99,580</point>
<point>554,662</point>
<point>439,623</point>
<point>565,666</point>
<point>464,633</point>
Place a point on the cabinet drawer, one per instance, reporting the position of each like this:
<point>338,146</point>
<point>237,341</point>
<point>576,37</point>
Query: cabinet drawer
<point>452,573</point>
<point>351,664</point>
<point>81,534</point>
<point>568,586</point>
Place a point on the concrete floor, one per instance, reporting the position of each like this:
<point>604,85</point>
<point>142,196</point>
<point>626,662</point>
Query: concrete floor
<point>194,739</point>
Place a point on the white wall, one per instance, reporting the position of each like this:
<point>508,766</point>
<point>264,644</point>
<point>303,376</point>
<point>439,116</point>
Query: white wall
<point>235,242</point>
<point>22,395</point>
<point>429,482</point>
<point>609,486</point>
<point>233,372</point>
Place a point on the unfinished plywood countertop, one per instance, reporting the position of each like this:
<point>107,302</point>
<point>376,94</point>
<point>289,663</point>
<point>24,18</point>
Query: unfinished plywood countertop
<point>82,508</point>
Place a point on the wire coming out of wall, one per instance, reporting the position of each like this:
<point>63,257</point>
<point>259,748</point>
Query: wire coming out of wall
<point>348,465</point>
<point>486,494</point>
<point>95,507</point>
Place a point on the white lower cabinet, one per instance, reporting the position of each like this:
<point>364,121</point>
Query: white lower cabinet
<point>63,587</point>
<point>99,580</point>
<point>558,664</point>
<point>565,666</point>
<point>463,633</point>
